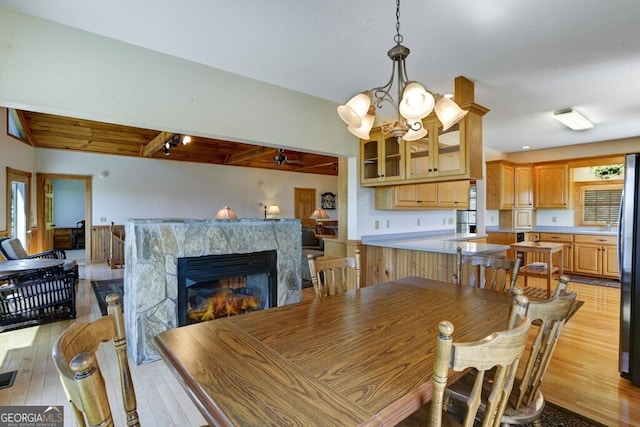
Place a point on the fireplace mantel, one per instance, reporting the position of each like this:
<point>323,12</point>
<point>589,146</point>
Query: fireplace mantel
<point>152,247</point>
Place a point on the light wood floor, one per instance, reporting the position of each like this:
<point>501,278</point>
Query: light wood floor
<point>583,376</point>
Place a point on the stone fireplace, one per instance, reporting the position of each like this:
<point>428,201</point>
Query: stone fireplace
<point>152,250</point>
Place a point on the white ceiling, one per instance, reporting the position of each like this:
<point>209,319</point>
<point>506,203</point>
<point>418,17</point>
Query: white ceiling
<point>527,58</point>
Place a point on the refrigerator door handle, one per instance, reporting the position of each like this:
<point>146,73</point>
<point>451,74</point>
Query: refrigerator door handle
<point>620,234</point>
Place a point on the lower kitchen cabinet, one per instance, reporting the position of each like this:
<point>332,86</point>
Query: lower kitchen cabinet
<point>595,255</point>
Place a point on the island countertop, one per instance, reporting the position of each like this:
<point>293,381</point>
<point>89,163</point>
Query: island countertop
<point>446,243</point>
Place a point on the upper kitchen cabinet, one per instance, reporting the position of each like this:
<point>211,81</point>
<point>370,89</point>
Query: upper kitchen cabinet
<point>551,186</point>
<point>509,186</point>
<point>442,155</point>
<point>382,159</point>
<point>500,185</point>
<point>523,194</point>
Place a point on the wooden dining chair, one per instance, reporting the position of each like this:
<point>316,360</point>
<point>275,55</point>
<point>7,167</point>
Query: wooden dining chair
<point>74,354</point>
<point>526,401</point>
<point>500,350</point>
<point>494,272</point>
<point>334,275</point>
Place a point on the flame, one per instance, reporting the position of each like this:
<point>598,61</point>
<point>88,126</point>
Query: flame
<point>224,304</point>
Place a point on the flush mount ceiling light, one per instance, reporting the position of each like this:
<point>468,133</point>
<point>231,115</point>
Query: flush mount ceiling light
<point>572,119</point>
<point>414,101</point>
<point>174,141</point>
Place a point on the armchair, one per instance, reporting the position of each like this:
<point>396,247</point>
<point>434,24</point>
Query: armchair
<point>12,248</point>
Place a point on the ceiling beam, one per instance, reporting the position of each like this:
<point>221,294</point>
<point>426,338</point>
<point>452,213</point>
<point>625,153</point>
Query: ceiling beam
<point>250,154</point>
<point>155,144</point>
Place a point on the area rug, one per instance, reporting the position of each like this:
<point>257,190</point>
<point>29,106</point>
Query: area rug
<point>102,288</point>
<point>597,281</point>
<point>555,416</point>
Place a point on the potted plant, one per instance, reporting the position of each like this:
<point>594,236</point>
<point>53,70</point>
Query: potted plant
<point>609,171</point>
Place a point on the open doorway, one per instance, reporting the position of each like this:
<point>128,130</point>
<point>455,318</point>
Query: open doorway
<point>73,226</point>
<point>18,205</point>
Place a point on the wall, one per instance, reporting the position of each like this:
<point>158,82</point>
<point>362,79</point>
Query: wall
<point>156,188</point>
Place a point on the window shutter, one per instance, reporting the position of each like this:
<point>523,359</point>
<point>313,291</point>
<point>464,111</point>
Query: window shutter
<point>601,205</point>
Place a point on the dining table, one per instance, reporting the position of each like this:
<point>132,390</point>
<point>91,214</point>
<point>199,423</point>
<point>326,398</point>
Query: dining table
<point>362,358</point>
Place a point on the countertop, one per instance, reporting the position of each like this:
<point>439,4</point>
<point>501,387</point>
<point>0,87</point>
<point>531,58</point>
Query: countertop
<point>442,242</point>
<point>598,231</point>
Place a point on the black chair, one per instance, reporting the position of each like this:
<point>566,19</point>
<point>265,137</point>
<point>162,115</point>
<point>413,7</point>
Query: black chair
<point>12,248</point>
<point>78,235</point>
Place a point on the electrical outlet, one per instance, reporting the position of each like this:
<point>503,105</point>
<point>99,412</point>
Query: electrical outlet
<point>103,219</point>
<point>388,224</point>
<point>450,221</point>
<point>444,221</point>
<point>491,220</point>
<point>418,222</point>
<point>554,219</point>
<point>376,225</point>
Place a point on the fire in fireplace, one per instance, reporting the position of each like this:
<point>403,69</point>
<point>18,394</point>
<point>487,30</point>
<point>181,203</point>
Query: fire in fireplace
<point>216,286</point>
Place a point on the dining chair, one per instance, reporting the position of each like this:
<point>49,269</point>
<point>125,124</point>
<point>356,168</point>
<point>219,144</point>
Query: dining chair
<point>526,401</point>
<point>494,272</point>
<point>74,354</point>
<point>332,275</point>
<point>500,350</point>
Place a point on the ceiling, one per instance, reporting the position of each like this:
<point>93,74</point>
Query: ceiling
<point>527,59</point>
<point>57,132</point>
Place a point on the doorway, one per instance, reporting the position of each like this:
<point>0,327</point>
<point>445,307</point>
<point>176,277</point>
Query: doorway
<point>45,220</point>
<point>304,205</point>
<point>18,205</point>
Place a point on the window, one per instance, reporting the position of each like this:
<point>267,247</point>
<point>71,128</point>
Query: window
<point>14,125</point>
<point>599,204</point>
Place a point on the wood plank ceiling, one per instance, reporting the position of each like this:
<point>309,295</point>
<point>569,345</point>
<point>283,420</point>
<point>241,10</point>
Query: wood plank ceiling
<point>66,133</point>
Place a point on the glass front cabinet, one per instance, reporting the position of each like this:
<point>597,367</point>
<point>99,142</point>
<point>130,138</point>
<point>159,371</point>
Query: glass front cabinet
<point>382,160</point>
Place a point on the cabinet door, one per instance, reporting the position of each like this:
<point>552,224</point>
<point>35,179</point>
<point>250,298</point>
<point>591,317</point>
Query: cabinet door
<point>551,186</point>
<point>419,157</point>
<point>522,219</point>
<point>382,160</point>
<point>415,195</point>
<point>610,261</point>
<point>449,150</point>
<point>453,194</point>
<point>523,183</point>
<point>587,258</point>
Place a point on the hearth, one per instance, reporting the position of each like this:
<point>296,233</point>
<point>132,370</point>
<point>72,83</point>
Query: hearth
<point>214,286</point>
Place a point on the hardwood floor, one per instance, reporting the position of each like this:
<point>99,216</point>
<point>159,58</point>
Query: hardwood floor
<point>583,376</point>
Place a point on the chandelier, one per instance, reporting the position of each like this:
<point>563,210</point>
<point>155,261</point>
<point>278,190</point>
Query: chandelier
<point>415,102</point>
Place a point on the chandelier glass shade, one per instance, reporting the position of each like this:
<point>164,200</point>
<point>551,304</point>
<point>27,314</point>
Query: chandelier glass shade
<point>413,104</point>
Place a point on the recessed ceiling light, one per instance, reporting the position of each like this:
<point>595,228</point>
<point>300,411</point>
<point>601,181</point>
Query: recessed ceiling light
<point>526,147</point>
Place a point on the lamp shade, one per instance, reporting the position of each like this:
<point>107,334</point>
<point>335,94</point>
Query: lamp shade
<point>354,110</point>
<point>363,130</point>
<point>226,213</point>
<point>273,210</point>
<point>448,112</point>
<point>413,135</point>
<point>319,213</point>
<point>416,102</point>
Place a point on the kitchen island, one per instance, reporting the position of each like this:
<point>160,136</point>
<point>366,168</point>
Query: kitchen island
<point>431,255</point>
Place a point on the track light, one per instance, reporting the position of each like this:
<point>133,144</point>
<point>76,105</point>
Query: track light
<point>174,141</point>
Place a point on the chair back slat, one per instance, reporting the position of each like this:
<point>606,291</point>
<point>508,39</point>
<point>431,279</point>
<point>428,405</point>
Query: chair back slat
<point>494,272</point>
<point>334,275</point>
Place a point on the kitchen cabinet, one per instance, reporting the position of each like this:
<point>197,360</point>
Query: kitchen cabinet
<point>551,186</point>
<point>452,155</point>
<point>382,159</point>
<point>500,185</point>
<point>437,195</point>
<point>595,255</point>
<point>503,239</point>
<point>567,251</point>
<point>523,183</point>
<point>516,219</point>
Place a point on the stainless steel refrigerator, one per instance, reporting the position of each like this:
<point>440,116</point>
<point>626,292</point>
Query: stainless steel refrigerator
<point>629,264</point>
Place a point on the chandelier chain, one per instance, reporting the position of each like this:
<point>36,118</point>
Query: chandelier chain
<point>398,37</point>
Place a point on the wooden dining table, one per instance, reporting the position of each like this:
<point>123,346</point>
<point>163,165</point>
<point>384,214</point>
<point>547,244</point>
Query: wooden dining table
<point>361,358</point>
